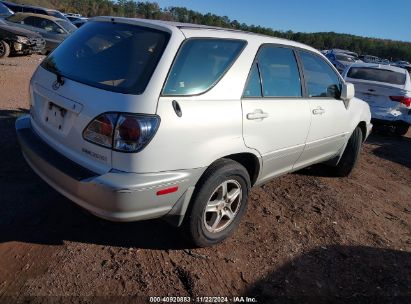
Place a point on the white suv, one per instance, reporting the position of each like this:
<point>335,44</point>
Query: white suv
<point>137,119</point>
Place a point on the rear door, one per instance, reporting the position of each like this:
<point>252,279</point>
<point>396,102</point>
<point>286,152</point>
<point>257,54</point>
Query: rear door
<point>276,117</point>
<point>329,116</point>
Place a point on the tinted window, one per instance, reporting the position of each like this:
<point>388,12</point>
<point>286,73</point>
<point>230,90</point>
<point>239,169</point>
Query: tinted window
<point>321,79</point>
<point>279,72</point>
<point>379,75</point>
<point>68,26</point>
<point>113,56</point>
<point>199,65</point>
<point>253,86</point>
<point>32,21</point>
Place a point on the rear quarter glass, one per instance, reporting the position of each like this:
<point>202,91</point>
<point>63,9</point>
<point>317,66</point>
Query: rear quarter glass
<point>112,56</point>
<point>200,64</point>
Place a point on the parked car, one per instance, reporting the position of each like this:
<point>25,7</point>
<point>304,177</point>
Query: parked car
<point>340,60</point>
<point>53,30</point>
<point>346,52</point>
<point>17,41</point>
<point>370,59</point>
<point>135,119</point>
<point>403,64</point>
<point>5,11</point>
<point>21,8</point>
<point>387,89</point>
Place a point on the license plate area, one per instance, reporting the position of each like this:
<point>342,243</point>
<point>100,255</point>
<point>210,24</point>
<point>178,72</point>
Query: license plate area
<point>55,116</point>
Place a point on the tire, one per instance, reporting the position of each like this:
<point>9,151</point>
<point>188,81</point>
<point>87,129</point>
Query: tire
<point>401,129</point>
<point>4,49</point>
<point>350,156</point>
<point>208,227</point>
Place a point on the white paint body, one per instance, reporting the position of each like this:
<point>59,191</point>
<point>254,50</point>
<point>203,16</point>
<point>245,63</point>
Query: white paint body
<point>213,125</point>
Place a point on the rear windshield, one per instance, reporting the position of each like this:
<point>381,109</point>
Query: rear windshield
<point>200,63</point>
<point>379,75</point>
<point>112,56</point>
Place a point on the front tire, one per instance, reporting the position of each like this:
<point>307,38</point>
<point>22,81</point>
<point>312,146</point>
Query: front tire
<point>218,204</point>
<point>350,156</point>
<point>4,49</point>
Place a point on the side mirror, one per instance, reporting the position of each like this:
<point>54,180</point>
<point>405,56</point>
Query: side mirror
<point>347,92</point>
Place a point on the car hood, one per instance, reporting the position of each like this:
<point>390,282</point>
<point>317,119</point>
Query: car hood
<point>17,31</point>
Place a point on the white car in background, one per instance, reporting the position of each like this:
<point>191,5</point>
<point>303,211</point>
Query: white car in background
<point>387,90</point>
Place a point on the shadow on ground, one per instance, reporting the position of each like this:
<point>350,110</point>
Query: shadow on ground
<point>31,211</point>
<point>339,274</point>
<point>392,147</point>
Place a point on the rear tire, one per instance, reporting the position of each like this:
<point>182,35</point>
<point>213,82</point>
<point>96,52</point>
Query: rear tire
<point>218,203</point>
<point>401,129</point>
<point>4,49</point>
<point>350,156</point>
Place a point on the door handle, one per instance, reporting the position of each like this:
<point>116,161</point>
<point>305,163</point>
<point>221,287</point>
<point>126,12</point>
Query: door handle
<point>318,111</point>
<point>257,115</point>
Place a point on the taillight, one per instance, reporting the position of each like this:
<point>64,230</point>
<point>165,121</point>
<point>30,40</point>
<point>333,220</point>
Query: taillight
<point>122,132</point>
<point>402,99</point>
<point>133,132</point>
<point>100,130</point>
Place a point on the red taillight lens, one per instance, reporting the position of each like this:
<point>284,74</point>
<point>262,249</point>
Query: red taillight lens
<point>133,132</point>
<point>100,130</point>
<point>402,99</point>
<point>122,132</point>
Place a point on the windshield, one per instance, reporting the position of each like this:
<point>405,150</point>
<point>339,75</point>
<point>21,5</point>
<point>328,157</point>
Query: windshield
<point>379,75</point>
<point>112,56</point>
<point>68,26</point>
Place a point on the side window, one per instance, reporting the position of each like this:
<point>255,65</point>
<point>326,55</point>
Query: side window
<point>321,79</point>
<point>279,72</point>
<point>253,86</point>
<point>48,25</point>
<point>32,21</point>
<point>200,63</point>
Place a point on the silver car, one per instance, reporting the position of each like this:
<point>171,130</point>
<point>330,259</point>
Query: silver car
<point>53,30</point>
<point>137,119</point>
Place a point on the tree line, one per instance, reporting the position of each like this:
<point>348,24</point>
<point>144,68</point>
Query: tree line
<point>384,48</point>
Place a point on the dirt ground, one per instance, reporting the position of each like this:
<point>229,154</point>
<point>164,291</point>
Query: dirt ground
<point>306,237</point>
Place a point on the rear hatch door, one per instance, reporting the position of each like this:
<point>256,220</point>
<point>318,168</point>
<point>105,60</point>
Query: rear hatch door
<point>103,67</point>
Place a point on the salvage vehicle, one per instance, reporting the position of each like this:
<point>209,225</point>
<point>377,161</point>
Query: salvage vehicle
<point>22,8</point>
<point>387,90</point>
<point>137,119</point>
<point>340,61</point>
<point>17,41</point>
<point>53,30</point>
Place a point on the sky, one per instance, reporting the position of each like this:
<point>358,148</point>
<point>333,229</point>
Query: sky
<point>379,18</point>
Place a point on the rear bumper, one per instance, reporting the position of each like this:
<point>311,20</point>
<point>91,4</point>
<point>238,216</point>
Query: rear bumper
<point>391,116</point>
<point>117,196</point>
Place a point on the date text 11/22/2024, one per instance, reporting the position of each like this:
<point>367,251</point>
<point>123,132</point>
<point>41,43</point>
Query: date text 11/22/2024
<point>202,300</point>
